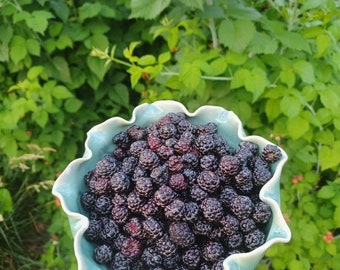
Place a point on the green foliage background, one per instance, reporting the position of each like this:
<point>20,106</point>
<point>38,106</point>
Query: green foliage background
<point>66,65</point>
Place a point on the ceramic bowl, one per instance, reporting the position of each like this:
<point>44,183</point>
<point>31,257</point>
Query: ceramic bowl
<point>70,185</point>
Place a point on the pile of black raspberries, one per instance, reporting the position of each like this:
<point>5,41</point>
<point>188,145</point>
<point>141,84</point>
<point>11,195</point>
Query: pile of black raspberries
<point>174,195</point>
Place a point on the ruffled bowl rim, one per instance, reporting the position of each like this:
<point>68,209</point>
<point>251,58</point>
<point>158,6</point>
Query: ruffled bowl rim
<point>270,192</point>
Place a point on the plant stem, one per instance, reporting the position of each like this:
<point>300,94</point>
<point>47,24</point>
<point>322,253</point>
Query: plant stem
<point>212,28</point>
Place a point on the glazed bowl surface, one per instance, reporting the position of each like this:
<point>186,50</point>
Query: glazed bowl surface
<point>70,184</point>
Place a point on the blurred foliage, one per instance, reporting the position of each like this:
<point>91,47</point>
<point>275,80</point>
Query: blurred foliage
<point>67,65</point>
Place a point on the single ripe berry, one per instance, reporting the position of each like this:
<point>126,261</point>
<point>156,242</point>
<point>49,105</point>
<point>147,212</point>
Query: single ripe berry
<point>153,228</point>
<point>254,239</point>
<point>208,181</point>
<point>102,254</point>
<point>229,164</point>
<point>212,251</point>
<point>212,209</point>
<point>271,153</point>
<point>174,210</point>
<point>242,207</point>
<point>148,159</point>
<point>191,258</point>
<point>181,234</point>
<point>107,166</point>
<point>120,182</point>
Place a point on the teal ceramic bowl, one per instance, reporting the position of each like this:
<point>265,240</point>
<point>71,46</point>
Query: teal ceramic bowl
<point>69,186</point>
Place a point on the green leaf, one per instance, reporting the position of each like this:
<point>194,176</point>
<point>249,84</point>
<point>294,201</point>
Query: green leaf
<point>146,60</point>
<point>290,106</point>
<point>322,44</point>
<point>61,92</point>
<point>4,52</point>
<point>262,43</point>
<point>336,217</point>
<point>305,70</point>
<point>61,69</point>
<point>196,4</point>
<point>18,49</point>
<point>164,57</point>
<point>63,42</point>
<point>297,127</point>
<point>336,60</point>
<point>33,46</point>
<point>38,21</point>
<point>34,72</point>
<point>256,82</point>
<point>147,9</point>
<point>287,76</point>
<point>295,264</point>
<point>9,146</point>
<point>136,74</point>
<point>40,117</point>
<point>120,95</point>
<point>272,109</point>
<point>108,12</point>
<point>217,67</point>
<point>6,31</point>
<point>72,105</point>
<point>6,203</point>
<point>294,41</point>
<point>239,78</point>
<point>326,192</point>
<point>89,10</point>
<point>97,67</point>
<point>236,34</point>
<point>190,75</point>
<point>235,58</point>
<point>329,156</point>
<point>330,99</point>
<point>61,9</point>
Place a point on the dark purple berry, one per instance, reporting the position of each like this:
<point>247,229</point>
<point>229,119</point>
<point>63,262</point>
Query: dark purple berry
<point>181,234</point>
<point>134,228</point>
<point>202,227</point>
<point>178,182</point>
<point>212,209</point>
<point>109,231</point>
<point>152,228</point>
<point>102,254</point>
<point>230,224</point>
<point>197,194</point>
<point>165,246</point>
<point>121,139</point>
<point>167,131</point>
<point>175,164</point>
<point>165,152</point>
<point>107,166</point>
<point>103,205</point>
<point>271,153</point>
<point>148,159</point>
<point>120,182</point>
<point>144,186</point>
<point>208,162</point>
<point>120,262</point>
<point>254,239</point>
<point>205,144</point>
<point>164,196</point>
<point>247,225</point>
<point>175,210</point>
<point>208,181</point>
<point>191,258</point>
<point>131,248</point>
<point>136,132</point>
<point>151,257</point>
<point>87,200</point>
<point>212,251</point>
<point>242,207</point>
<point>191,211</point>
<point>120,214</point>
<point>94,229</point>
<point>135,202</point>
<point>137,147</point>
<point>129,164</point>
<point>229,165</point>
<point>262,213</point>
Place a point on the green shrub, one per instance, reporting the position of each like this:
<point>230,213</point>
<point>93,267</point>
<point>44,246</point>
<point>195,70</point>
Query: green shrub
<point>66,66</point>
